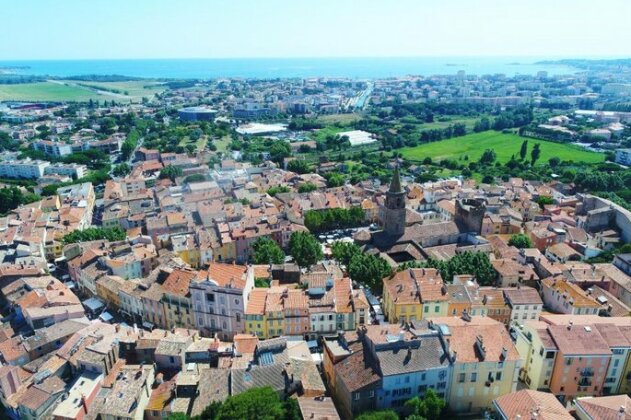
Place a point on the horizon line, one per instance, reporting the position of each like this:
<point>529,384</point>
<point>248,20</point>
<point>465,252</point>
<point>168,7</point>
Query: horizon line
<point>555,57</point>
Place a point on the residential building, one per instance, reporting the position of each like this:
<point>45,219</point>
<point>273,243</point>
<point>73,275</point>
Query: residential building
<point>415,294</point>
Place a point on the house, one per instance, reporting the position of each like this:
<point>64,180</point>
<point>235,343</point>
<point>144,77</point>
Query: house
<point>130,394</point>
<point>525,303</point>
<point>561,296</point>
<point>414,294</point>
<point>219,299</point>
<point>81,396</point>
<point>485,361</point>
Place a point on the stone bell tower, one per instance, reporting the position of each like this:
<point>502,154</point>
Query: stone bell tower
<point>394,215</point>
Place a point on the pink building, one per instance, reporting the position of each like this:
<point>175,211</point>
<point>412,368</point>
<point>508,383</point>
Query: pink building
<point>582,360</point>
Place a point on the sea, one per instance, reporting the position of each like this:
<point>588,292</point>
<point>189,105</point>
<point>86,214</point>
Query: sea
<point>269,68</point>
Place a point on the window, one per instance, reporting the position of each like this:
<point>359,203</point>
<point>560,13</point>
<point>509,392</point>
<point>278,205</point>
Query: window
<point>461,378</point>
<point>437,309</point>
<point>371,393</point>
<point>357,396</point>
<point>498,376</point>
<point>474,377</point>
<point>238,316</point>
<point>210,297</point>
<point>426,309</point>
<point>236,301</point>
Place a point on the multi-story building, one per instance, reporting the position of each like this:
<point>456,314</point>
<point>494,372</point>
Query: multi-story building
<point>219,299</point>
<point>486,363</point>
<point>563,297</point>
<point>381,367</point>
<point>415,294</point>
<point>176,299</point>
<point>525,304</point>
<point>27,168</point>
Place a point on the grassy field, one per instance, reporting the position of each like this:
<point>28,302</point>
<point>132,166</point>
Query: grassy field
<point>339,118</point>
<point>48,91</point>
<point>135,89</point>
<point>71,91</point>
<point>505,145</point>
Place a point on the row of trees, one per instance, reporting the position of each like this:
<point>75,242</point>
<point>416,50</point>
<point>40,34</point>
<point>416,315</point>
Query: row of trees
<point>303,247</point>
<point>256,403</point>
<point>477,264</point>
<point>366,269</point>
<point>324,220</point>
<point>95,234</point>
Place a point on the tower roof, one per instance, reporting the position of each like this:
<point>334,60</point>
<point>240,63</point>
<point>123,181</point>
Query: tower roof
<point>395,184</point>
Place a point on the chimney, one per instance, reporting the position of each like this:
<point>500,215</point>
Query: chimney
<point>84,404</point>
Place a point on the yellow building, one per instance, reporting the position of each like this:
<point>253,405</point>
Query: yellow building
<point>186,248</point>
<point>176,300</point>
<point>538,351</point>
<point>414,294</point>
<point>255,319</point>
<point>275,311</point>
<point>486,362</point>
<point>107,289</point>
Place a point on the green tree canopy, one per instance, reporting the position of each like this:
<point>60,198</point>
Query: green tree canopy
<point>520,241</point>
<point>170,172</point>
<point>307,187</point>
<point>535,153</point>
<point>344,252</point>
<point>256,404</point>
<point>477,264</point>
<point>267,251</point>
<point>378,415</point>
<point>95,234</point>
<point>523,151</point>
<point>121,169</point>
<point>369,270</point>
<point>305,249</point>
<point>429,407</point>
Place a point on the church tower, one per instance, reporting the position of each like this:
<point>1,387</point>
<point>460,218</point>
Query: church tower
<point>394,215</point>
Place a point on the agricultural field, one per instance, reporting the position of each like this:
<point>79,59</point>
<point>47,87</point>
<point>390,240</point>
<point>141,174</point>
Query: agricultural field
<point>505,146</point>
<point>339,118</point>
<point>135,89</point>
<point>68,90</point>
<point>48,91</point>
<point>446,122</point>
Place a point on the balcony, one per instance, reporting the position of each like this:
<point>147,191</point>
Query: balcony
<point>587,373</point>
<point>585,382</point>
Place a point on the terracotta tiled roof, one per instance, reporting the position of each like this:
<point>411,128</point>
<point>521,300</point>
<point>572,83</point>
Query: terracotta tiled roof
<point>526,402</point>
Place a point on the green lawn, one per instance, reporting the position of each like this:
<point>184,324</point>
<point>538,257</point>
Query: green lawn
<point>48,91</point>
<point>71,91</point>
<point>505,145</point>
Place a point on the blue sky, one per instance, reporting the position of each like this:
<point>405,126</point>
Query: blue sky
<point>92,29</point>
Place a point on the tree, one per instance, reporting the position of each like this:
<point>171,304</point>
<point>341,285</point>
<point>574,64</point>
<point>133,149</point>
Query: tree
<point>256,403</point>
<point>475,263</point>
<point>191,179</point>
<point>369,270</point>
<point>307,187</point>
<point>488,157</point>
<point>535,153</point>
<point>277,190</point>
<point>279,150</point>
<point>520,241</point>
<point>177,416</point>
<point>429,407</point>
<point>267,251</point>
<point>554,162</point>
<point>299,166</point>
<point>544,200</point>
<point>378,415</point>
<point>171,172</point>
<point>94,234</point>
<point>524,150</point>
<point>121,169</point>
<point>305,249</point>
<point>334,179</point>
<point>344,252</point>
